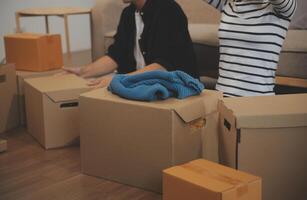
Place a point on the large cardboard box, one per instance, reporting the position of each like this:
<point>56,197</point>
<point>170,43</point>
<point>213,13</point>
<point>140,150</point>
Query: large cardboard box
<point>21,76</point>
<point>34,52</point>
<point>132,142</point>
<point>52,105</point>
<point>266,136</point>
<point>205,180</point>
<point>9,118</point>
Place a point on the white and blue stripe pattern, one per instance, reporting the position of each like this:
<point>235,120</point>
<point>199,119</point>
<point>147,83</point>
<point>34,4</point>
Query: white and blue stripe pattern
<point>251,35</point>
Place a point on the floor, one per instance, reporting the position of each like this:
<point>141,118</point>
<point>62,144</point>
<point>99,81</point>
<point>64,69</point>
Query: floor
<point>28,172</point>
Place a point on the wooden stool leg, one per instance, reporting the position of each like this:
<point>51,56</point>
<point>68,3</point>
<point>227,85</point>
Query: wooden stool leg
<point>69,56</point>
<point>47,24</point>
<point>17,18</point>
<point>91,37</point>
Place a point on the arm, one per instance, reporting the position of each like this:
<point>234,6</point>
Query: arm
<point>102,66</point>
<point>117,55</point>
<point>284,8</point>
<point>218,4</point>
<point>106,80</point>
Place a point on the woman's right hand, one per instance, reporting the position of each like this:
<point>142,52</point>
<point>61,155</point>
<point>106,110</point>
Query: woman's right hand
<point>73,70</point>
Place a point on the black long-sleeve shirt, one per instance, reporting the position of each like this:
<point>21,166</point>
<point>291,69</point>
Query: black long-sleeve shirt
<point>165,39</point>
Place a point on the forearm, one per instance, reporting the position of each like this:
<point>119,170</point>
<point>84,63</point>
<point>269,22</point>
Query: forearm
<point>151,67</point>
<point>285,8</point>
<point>102,66</point>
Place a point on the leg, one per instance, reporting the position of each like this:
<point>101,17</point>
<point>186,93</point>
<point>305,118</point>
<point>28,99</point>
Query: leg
<point>17,18</point>
<point>47,24</point>
<point>67,39</point>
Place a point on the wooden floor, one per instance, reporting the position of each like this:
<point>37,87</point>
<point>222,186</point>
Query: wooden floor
<point>28,172</point>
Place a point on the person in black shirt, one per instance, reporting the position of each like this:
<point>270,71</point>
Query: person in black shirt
<point>151,35</point>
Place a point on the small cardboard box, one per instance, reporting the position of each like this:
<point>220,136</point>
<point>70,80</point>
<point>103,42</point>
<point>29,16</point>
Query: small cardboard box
<point>34,52</point>
<point>9,117</point>
<point>205,180</point>
<point>21,76</point>
<point>266,136</point>
<point>52,105</point>
<point>131,142</point>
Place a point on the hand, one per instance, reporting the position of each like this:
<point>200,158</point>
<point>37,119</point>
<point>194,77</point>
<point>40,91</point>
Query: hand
<point>73,70</point>
<point>100,82</point>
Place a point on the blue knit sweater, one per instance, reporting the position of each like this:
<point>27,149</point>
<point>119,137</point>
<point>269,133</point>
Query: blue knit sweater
<point>155,85</point>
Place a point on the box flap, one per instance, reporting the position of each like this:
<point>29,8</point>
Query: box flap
<point>66,95</point>
<point>188,109</point>
<point>212,176</point>
<point>269,111</point>
<point>59,88</point>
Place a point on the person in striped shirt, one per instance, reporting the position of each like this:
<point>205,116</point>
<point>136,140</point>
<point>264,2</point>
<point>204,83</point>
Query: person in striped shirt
<point>251,35</point>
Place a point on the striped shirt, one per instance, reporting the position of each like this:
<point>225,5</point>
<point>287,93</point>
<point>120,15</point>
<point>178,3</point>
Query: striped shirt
<point>251,35</point>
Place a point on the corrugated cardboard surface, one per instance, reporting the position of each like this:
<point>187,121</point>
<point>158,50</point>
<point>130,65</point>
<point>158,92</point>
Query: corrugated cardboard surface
<point>21,76</point>
<point>132,142</point>
<point>269,111</point>
<point>9,117</point>
<point>201,179</point>
<point>278,153</point>
<point>52,109</point>
<point>34,52</point>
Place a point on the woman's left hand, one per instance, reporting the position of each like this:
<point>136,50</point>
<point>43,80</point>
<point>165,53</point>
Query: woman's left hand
<point>100,82</point>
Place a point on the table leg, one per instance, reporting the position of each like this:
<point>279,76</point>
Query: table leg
<point>17,18</point>
<point>69,56</point>
<point>47,24</point>
<point>91,37</point>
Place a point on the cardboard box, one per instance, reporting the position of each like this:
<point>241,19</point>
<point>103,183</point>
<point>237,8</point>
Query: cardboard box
<point>266,136</point>
<point>21,76</point>
<point>52,109</point>
<point>131,142</point>
<point>205,180</point>
<point>9,118</point>
<point>3,145</point>
<point>34,52</point>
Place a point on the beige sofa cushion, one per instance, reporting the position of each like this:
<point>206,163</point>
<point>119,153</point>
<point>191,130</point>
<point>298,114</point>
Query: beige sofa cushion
<point>204,34</point>
<point>207,34</point>
<point>296,41</point>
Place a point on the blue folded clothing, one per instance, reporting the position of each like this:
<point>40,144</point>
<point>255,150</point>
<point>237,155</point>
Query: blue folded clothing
<point>155,85</point>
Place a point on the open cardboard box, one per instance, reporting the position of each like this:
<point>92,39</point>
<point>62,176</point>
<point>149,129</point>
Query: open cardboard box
<point>266,136</point>
<point>132,142</point>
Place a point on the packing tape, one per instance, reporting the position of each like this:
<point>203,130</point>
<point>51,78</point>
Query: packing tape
<point>241,187</point>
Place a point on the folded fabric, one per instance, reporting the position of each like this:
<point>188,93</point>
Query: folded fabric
<point>155,85</point>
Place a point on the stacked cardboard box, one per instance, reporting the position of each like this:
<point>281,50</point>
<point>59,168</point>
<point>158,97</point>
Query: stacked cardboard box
<point>205,180</point>
<point>9,117</point>
<point>266,136</point>
<point>34,52</point>
<point>52,105</point>
<point>132,142</point>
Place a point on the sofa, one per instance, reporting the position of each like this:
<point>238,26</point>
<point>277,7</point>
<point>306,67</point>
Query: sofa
<point>203,27</point>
